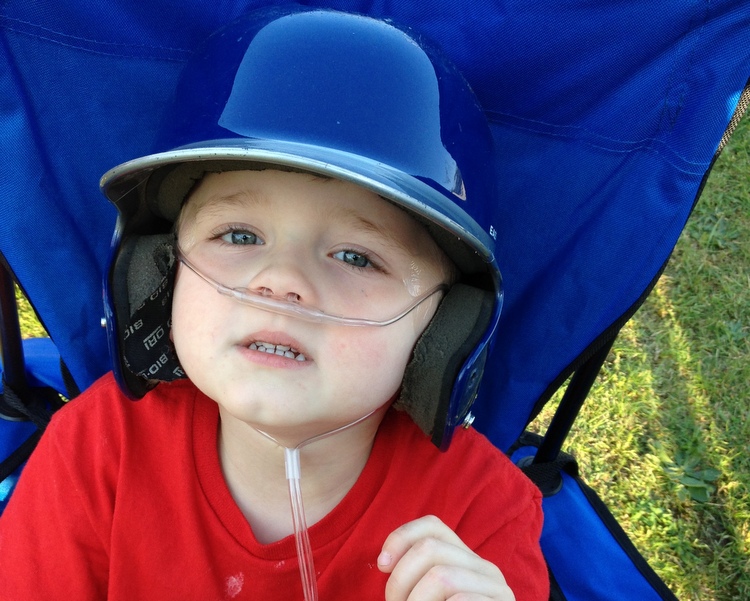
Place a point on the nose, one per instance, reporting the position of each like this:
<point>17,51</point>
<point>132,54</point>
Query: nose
<point>288,274</point>
<point>290,296</point>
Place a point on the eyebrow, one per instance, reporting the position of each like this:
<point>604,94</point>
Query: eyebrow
<point>194,209</point>
<point>245,196</point>
<point>363,224</point>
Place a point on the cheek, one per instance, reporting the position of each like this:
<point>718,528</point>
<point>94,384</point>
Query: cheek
<point>181,320</point>
<point>376,358</point>
<point>183,309</point>
<point>193,316</point>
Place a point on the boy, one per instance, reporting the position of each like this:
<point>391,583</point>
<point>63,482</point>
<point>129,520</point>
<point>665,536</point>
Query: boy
<point>310,259</point>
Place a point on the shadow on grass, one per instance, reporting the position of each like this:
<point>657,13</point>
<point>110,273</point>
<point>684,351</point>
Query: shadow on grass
<point>695,425</point>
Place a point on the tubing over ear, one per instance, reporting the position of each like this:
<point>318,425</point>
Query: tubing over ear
<point>439,355</point>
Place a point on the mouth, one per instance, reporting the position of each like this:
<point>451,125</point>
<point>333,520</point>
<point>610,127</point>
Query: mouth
<point>280,350</point>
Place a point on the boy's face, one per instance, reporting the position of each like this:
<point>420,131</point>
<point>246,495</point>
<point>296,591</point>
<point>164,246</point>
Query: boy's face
<point>324,243</point>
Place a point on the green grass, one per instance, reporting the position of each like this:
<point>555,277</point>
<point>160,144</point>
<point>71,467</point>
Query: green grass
<point>30,326</point>
<point>665,436</point>
<point>671,410</point>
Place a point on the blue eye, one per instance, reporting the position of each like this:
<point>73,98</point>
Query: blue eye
<point>353,258</point>
<point>241,238</point>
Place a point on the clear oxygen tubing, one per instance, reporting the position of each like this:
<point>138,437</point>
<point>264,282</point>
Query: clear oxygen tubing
<point>291,308</point>
<point>293,476</point>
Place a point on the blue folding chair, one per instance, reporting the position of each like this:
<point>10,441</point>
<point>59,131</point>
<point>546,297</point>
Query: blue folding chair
<point>607,116</point>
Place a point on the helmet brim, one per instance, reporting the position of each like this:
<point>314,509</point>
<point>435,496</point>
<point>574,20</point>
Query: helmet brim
<point>463,240</point>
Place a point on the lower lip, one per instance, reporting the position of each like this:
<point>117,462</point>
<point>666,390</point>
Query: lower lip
<point>272,360</point>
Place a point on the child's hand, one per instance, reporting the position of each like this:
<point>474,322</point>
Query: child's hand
<point>428,562</point>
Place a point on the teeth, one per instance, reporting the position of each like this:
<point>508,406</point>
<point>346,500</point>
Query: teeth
<point>277,349</point>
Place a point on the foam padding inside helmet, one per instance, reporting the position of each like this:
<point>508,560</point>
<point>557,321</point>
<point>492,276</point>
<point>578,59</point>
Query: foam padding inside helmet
<point>146,346</point>
<point>454,332</point>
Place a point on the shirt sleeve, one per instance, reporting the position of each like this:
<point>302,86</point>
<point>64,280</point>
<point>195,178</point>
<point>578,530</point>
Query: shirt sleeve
<point>476,491</point>
<point>502,523</point>
<point>515,549</point>
<point>53,539</point>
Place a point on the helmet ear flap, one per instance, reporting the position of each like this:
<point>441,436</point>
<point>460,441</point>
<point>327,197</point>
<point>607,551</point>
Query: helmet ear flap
<point>428,393</point>
<point>147,264</point>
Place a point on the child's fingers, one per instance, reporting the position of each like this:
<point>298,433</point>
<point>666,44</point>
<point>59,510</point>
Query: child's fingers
<point>403,538</point>
<point>449,583</point>
<point>438,571</point>
<point>427,561</point>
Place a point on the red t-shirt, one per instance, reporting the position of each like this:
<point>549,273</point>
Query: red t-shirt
<point>125,501</point>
